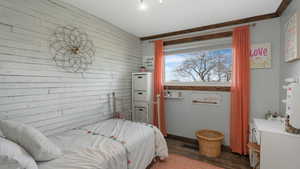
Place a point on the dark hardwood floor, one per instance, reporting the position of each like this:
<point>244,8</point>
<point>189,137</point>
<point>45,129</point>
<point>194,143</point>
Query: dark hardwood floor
<point>227,159</point>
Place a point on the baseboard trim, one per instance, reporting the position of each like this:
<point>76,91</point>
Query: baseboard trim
<point>193,141</point>
<point>184,139</point>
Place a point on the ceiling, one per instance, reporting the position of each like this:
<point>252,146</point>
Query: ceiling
<point>172,15</point>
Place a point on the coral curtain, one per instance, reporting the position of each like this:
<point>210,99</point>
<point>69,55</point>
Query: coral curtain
<point>240,94</point>
<point>159,118</point>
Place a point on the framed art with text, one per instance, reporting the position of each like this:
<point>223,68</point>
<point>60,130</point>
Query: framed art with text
<point>291,38</point>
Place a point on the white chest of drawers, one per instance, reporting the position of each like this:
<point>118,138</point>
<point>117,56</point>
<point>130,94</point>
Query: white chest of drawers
<point>142,97</point>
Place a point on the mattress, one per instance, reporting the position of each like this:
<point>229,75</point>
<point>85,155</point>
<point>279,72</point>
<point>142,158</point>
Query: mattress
<point>111,144</point>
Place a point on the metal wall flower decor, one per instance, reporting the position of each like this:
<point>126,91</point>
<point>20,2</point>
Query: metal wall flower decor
<point>71,49</point>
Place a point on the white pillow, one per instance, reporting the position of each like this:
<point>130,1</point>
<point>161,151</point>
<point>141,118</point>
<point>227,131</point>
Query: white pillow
<point>32,140</point>
<point>13,155</point>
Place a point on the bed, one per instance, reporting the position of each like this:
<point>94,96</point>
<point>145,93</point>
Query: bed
<point>111,144</point>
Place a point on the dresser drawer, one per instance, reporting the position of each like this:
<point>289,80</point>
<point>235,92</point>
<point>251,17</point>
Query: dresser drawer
<point>141,82</point>
<point>140,95</point>
<point>141,114</point>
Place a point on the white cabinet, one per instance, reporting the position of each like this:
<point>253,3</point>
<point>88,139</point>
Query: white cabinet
<point>295,106</point>
<point>279,149</point>
<point>142,97</point>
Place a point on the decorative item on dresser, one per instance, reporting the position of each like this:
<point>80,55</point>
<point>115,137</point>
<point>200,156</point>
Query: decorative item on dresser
<point>143,69</point>
<point>289,128</point>
<point>292,103</point>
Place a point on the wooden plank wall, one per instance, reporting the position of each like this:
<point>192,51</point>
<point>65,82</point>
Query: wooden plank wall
<point>35,91</point>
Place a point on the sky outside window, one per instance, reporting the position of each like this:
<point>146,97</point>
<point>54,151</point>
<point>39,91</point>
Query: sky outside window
<point>199,66</point>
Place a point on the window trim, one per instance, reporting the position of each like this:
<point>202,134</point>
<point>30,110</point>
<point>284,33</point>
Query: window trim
<point>224,84</point>
<point>199,88</point>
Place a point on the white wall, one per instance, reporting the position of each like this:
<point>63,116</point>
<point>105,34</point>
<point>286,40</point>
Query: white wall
<point>288,69</point>
<point>34,90</point>
<point>184,119</point>
<point>265,82</point>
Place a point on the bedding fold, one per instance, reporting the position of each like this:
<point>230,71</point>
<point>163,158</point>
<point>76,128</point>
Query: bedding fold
<point>111,144</point>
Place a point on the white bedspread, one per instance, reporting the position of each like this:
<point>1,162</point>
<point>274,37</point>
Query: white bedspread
<point>111,144</point>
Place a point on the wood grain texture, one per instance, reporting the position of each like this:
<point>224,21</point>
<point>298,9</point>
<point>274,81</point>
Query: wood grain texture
<point>198,38</point>
<point>284,4</point>
<point>213,26</point>
<point>33,90</point>
<point>183,139</point>
<point>227,160</point>
<point>199,88</point>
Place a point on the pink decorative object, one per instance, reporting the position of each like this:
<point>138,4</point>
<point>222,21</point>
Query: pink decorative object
<point>143,69</point>
<point>260,56</point>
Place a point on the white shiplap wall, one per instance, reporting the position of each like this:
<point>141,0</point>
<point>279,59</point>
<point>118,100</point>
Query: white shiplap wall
<point>35,91</point>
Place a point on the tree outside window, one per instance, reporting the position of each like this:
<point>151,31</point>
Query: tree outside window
<point>200,66</point>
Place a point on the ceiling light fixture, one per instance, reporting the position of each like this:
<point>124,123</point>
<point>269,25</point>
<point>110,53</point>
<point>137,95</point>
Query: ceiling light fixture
<point>143,5</point>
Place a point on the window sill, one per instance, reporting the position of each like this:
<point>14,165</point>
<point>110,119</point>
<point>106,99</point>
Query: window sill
<point>199,88</point>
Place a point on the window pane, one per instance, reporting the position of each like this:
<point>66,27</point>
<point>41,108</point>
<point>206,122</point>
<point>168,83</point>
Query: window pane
<point>200,66</point>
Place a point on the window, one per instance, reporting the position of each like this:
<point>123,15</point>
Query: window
<point>199,67</point>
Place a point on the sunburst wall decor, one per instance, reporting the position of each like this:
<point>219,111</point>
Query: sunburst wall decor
<point>71,49</point>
